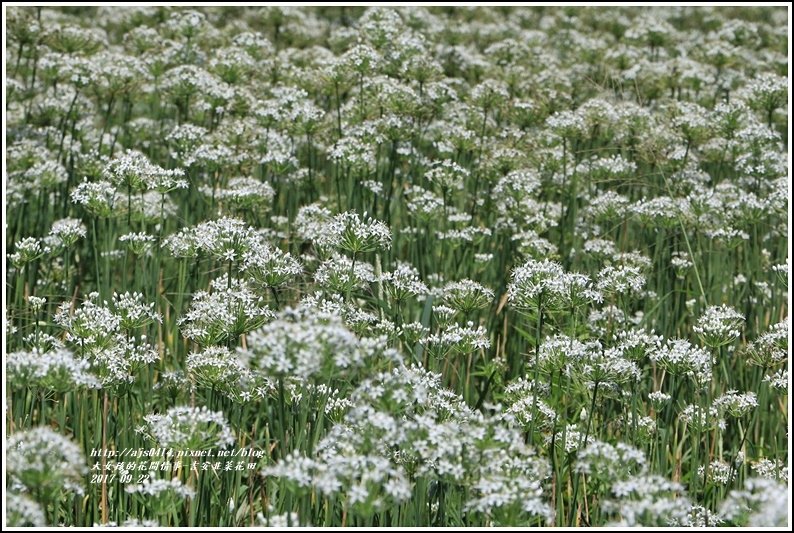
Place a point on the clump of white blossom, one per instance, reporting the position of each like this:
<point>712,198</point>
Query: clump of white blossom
<point>188,428</point>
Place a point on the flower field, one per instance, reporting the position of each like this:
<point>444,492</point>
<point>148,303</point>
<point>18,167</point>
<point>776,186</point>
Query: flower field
<point>280,266</point>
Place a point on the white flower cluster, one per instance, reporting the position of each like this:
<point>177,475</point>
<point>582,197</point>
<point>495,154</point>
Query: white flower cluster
<point>347,231</point>
<point>735,404</point>
<point>648,500</point>
<point>188,428</point>
<point>138,242</point>
<point>604,461</point>
<point>133,170</point>
<point>467,295</point>
<point>45,461</point>
<point>242,193</point>
<point>719,325</point>
<point>679,356</point>
<point>101,334</point>
<point>56,369</point>
<point>300,344</point>
<point>457,339</point>
<point>218,368</point>
<point>225,313</point>
<point>770,349</point>
<point>761,503</point>
<point>719,473</point>
<point>768,469</point>
<point>66,232</point>
<point>534,282</point>
<point>404,421</point>
<point>21,511</point>
<point>404,282</point>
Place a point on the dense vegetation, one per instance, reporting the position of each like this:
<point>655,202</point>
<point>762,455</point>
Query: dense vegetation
<point>437,267</point>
